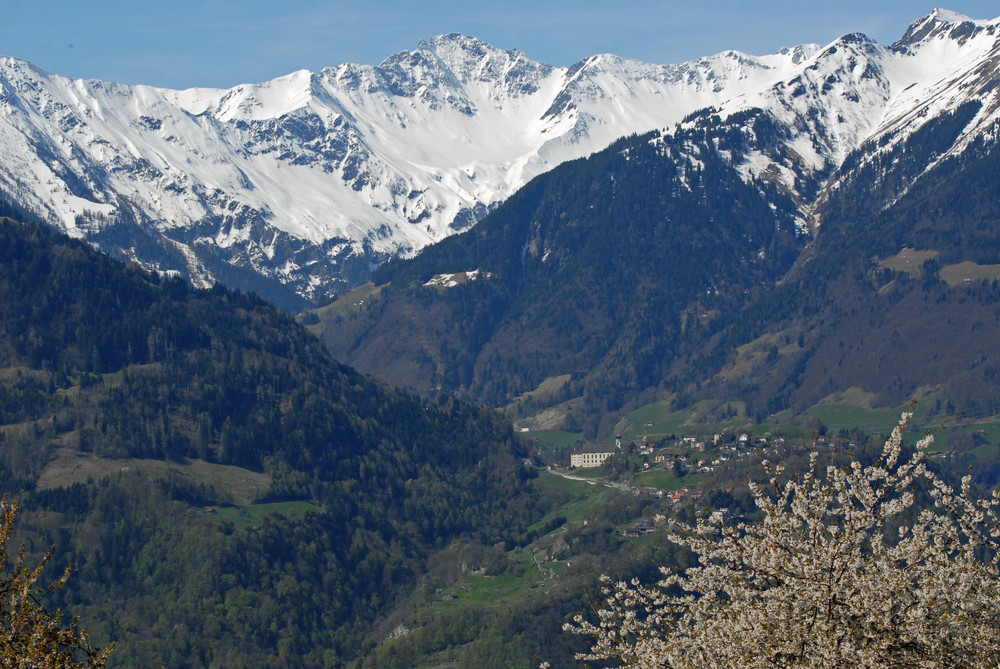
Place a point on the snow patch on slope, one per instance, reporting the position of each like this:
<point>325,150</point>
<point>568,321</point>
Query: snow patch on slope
<point>312,173</point>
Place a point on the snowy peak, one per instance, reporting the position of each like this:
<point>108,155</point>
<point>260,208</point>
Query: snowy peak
<point>423,75</point>
<point>474,62</point>
<point>460,73</point>
<point>954,60</point>
<point>856,93</point>
<point>308,181</point>
<point>944,24</point>
<point>826,100</point>
<point>949,16</point>
<point>271,99</point>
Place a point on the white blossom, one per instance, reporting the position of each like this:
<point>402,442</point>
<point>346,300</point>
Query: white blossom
<point>842,571</point>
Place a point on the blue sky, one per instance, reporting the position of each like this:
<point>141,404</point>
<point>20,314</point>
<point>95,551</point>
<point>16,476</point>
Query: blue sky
<point>221,43</point>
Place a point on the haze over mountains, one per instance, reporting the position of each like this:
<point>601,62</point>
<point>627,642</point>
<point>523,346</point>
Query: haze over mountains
<point>300,186</point>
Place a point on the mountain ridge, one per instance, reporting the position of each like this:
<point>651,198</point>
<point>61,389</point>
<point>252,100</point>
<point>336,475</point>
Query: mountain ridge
<point>298,187</point>
<point>556,303</point>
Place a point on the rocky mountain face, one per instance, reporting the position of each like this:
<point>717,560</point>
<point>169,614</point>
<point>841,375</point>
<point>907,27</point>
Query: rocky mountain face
<point>298,187</point>
<point>758,250</point>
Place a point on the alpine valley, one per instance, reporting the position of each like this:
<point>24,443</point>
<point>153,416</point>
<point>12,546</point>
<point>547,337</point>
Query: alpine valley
<point>774,252</point>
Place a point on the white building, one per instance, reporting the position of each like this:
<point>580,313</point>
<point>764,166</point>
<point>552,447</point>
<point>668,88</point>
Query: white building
<point>591,457</point>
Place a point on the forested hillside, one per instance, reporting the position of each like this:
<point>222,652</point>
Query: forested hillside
<point>144,423</point>
<point>654,271</point>
<point>897,295</point>
<point>607,269</point>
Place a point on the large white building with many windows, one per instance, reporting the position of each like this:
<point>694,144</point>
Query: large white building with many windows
<point>593,456</point>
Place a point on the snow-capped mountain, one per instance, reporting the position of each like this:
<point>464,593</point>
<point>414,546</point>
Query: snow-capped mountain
<point>856,94</point>
<point>312,179</point>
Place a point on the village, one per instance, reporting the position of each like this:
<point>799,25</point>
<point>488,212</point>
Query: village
<point>683,455</point>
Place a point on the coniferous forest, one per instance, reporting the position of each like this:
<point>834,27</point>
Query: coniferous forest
<point>229,494</point>
<point>641,274</point>
<point>107,363</point>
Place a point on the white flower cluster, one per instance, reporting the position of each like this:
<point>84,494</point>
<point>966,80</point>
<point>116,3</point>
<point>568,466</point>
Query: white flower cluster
<point>844,570</point>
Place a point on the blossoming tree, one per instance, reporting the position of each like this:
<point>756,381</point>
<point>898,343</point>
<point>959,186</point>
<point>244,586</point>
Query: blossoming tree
<point>30,636</point>
<point>844,570</point>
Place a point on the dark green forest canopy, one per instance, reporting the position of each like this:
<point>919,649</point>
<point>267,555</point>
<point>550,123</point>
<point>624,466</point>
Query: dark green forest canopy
<point>224,361</point>
<point>654,270</point>
<point>608,269</point>
<point>111,361</point>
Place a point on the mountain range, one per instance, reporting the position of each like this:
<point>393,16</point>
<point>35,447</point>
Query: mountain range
<point>756,254</point>
<point>728,240</point>
<point>299,187</point>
